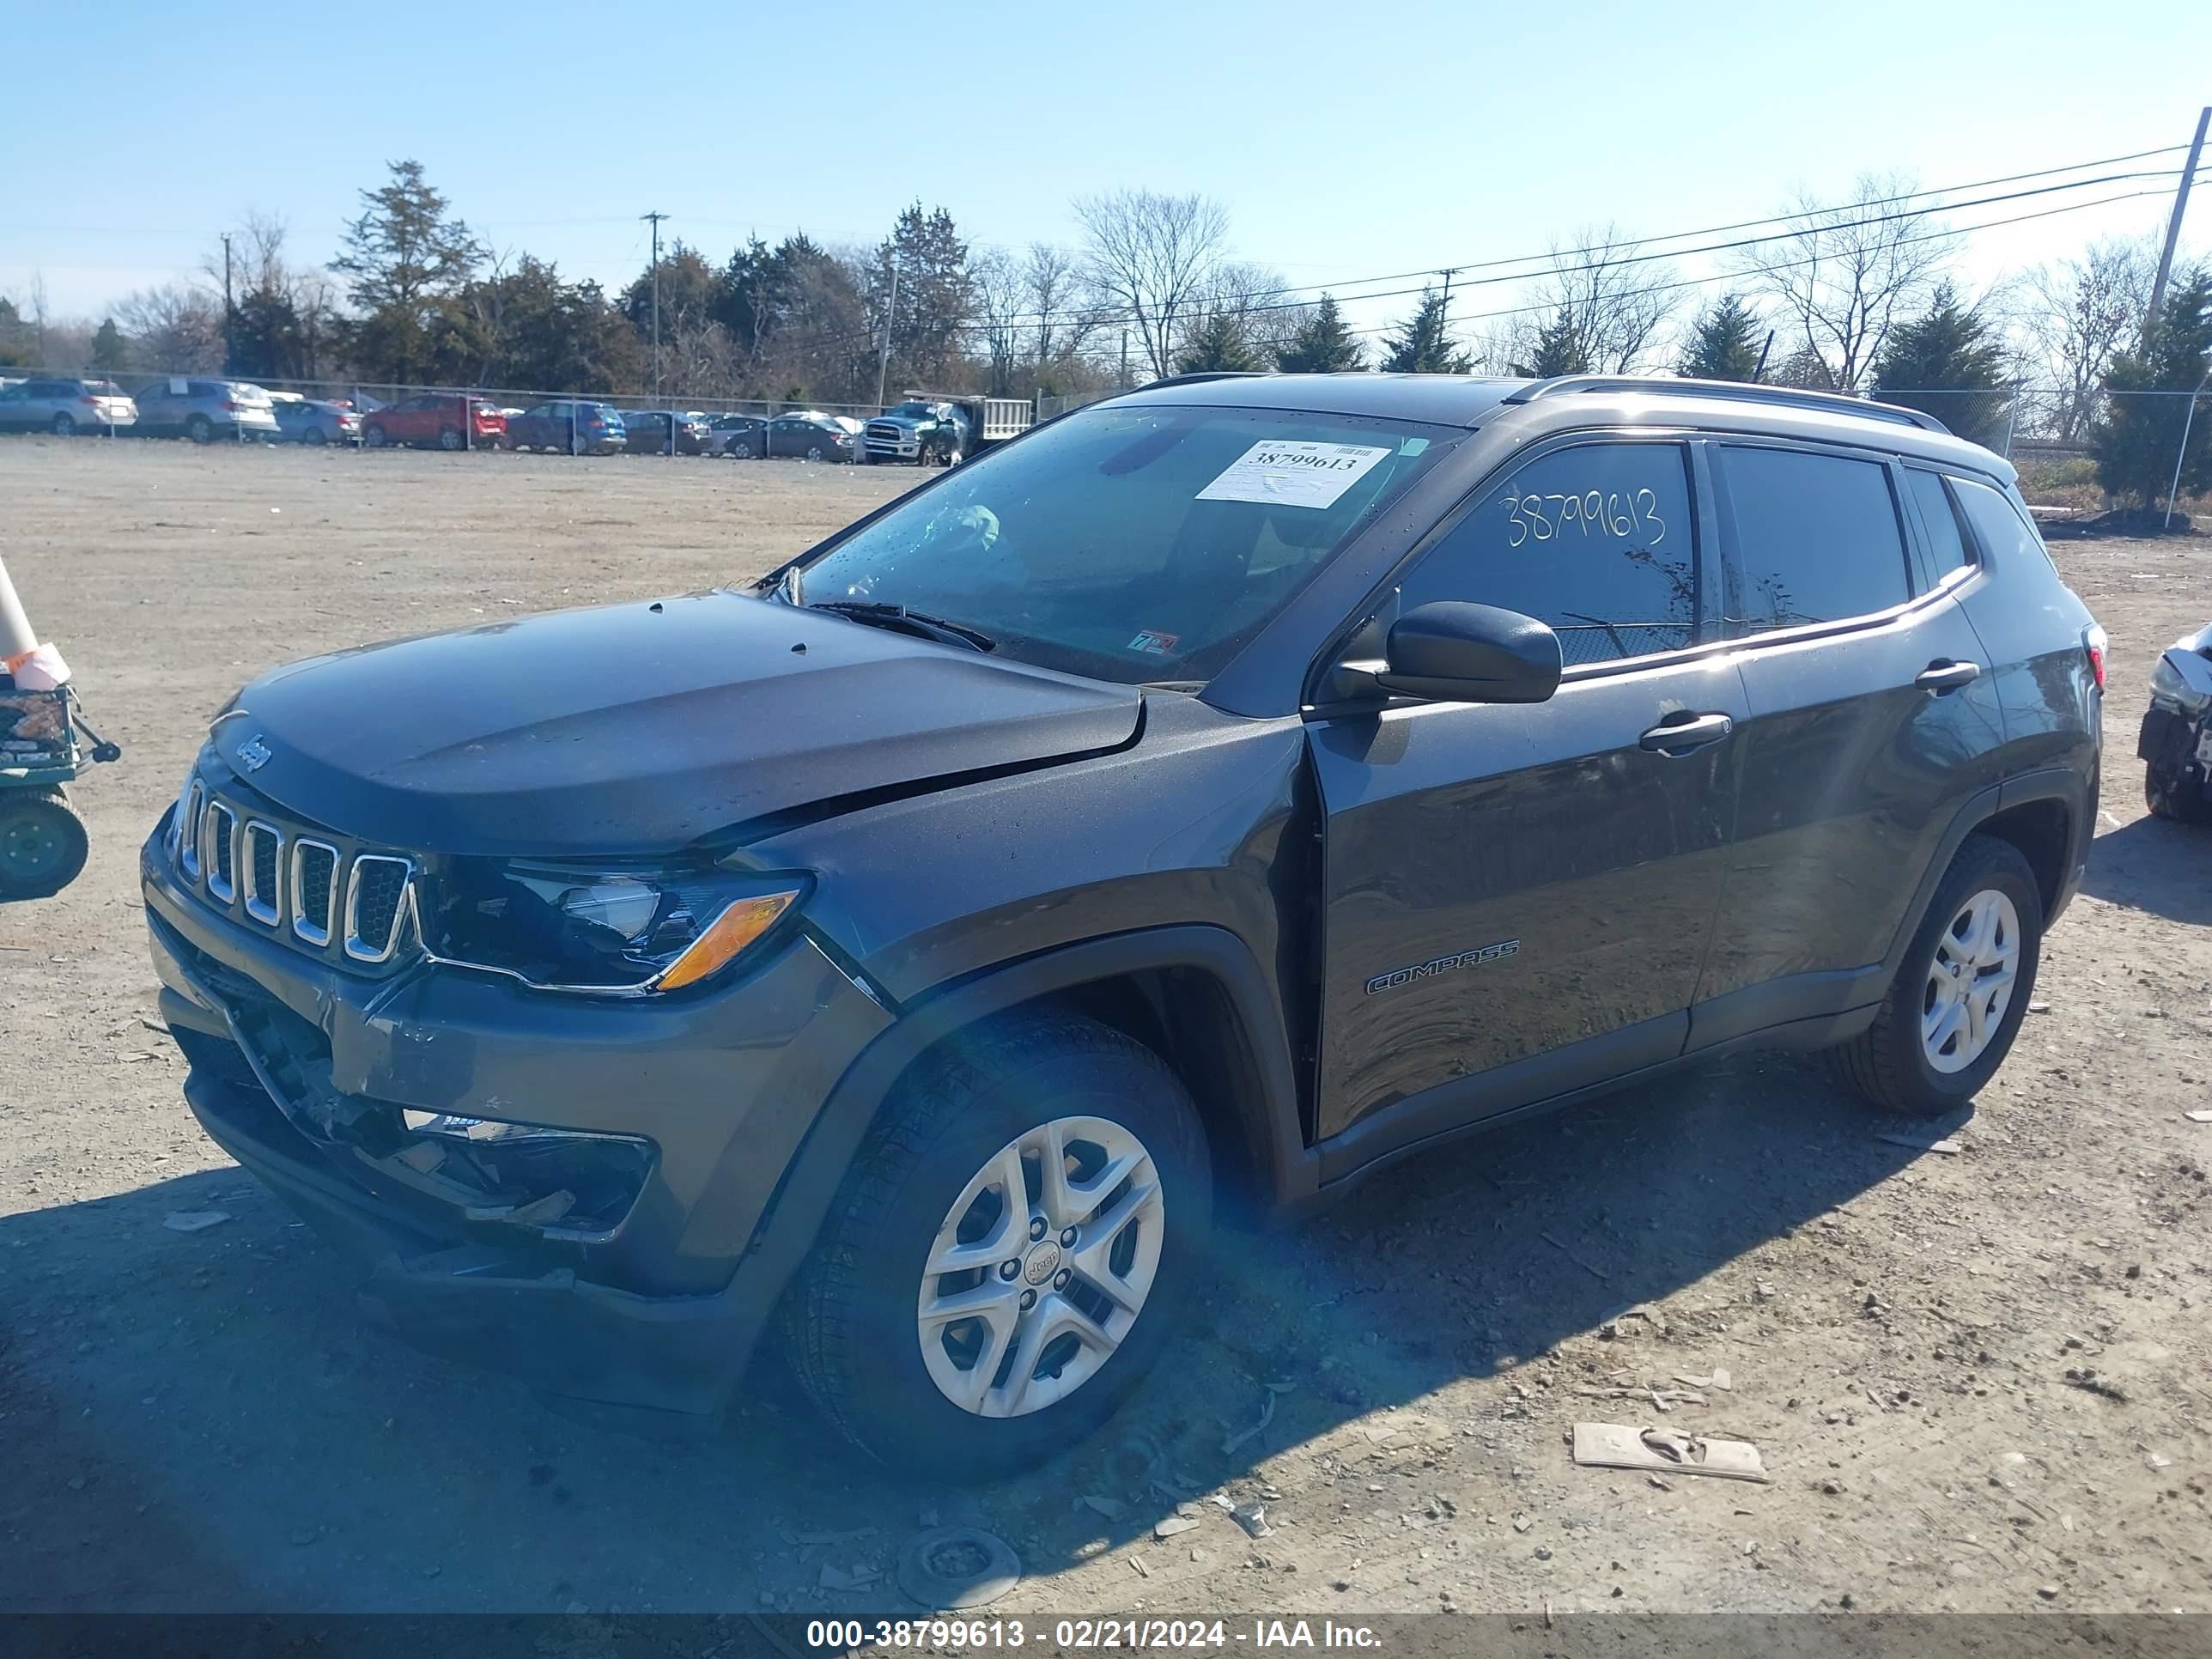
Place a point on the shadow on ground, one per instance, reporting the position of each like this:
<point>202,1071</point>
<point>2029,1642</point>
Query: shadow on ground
<point>203,1421</point>
<point>2155,865</point>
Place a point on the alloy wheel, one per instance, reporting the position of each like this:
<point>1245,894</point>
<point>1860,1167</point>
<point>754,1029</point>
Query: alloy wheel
<point>1970,981</point>
<point>1041,1267</point>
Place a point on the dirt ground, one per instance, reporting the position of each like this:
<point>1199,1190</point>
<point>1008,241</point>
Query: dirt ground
<point>1980,1381</point>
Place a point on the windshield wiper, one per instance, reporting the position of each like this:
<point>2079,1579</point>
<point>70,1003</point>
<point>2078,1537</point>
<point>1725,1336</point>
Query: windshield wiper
<point>876,614</point>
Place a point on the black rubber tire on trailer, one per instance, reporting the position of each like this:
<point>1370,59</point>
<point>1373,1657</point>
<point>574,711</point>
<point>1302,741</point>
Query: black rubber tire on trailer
<point>2170,793</point>
<point>1888,1064</point>
<point>42,843</point>
<point>852,1317</point>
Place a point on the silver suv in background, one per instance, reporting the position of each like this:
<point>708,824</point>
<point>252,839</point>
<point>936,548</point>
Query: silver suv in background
<point>204,411</point>
<point>64,407</point>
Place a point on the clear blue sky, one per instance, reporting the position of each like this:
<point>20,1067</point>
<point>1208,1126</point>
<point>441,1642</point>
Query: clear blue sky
<point>1346,141</point>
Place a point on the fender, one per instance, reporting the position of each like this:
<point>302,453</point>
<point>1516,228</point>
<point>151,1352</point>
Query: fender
<point>2055,783</point>
<point>1271,1122</point>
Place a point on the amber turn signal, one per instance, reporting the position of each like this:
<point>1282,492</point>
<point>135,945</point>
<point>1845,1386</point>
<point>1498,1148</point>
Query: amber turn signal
<point>741,922</point>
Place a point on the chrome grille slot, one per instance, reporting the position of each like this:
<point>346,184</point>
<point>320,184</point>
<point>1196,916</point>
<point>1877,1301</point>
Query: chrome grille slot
<point>188,831</point>
<point>376,897</point>
<point>219,849</point>
<point>265,865</point>
<point>314,890</point>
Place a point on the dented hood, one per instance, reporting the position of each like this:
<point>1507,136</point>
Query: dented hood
<point>638,728</point>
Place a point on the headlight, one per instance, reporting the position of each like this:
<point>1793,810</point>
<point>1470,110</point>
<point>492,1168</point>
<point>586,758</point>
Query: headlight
<point>614,931</point>
<point>2166,682</point>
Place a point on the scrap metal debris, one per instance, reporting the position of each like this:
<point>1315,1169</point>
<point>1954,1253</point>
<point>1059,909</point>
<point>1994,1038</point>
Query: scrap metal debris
<point>1618,1446</point>
<point>957,1567</point>
<point>195,1221</point>
<point>1267,1416</point>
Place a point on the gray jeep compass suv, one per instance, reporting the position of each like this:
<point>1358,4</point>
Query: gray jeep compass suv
<point>1215,795</point>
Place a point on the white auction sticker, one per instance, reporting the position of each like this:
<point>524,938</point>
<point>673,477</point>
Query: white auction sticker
<point>1293,473</point>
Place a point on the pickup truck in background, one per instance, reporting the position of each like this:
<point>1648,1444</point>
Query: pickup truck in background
<point>929,427</point>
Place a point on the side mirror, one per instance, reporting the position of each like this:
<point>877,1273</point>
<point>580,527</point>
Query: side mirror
<point>1451,652</point>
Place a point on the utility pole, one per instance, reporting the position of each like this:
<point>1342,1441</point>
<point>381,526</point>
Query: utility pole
<point>883,358</point>
<point>656,218</point>
<point>230,348</point>
<point>2174,224</point>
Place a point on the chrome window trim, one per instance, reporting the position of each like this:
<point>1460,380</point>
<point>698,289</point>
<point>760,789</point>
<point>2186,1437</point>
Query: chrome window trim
<point>268,911</point>
<point>315,933</point>
<point>357,947</point>
<point>222,890</point>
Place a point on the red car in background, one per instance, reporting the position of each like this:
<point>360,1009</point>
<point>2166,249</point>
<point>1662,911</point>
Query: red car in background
<point>447,419</point>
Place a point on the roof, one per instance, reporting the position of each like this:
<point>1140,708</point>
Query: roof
<point>1438,399</point>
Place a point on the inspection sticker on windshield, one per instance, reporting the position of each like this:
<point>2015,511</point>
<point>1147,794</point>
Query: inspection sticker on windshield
<point>1293,474</point>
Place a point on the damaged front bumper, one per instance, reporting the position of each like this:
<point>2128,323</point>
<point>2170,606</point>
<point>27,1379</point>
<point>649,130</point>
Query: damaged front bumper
<point>574,1192</point>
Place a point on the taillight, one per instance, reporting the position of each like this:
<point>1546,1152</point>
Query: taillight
<point>231,407</point>
<point>88,400</point>
<point>2093,645</point>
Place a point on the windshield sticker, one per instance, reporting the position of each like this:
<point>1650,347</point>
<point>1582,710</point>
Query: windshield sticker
<point>1293,474</point>
<point>1156,644</point>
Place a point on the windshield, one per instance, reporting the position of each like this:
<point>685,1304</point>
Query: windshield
<point>921,412</point>
<point>1139,544</point>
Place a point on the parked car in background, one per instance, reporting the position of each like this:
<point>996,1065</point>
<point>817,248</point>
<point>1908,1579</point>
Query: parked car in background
<point>811,435</point>
<point>568,426</point>
<point>449,420</point>
<point>204,411</point>
<point>649,432</point>
<point>2175,741</point>
<point>740,437</point>
<point>64,407</point>
<point>313,420</point>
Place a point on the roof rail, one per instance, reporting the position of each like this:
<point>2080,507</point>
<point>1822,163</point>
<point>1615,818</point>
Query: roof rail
<point>1827,403</point>
<point>1203,375</point>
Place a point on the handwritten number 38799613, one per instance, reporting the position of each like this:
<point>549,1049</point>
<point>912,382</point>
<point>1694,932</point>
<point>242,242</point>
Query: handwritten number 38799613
<point>1619,512</point>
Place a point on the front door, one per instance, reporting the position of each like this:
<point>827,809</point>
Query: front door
<point>1519,898</point>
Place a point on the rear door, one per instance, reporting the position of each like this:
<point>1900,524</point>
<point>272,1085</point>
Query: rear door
<point>1873,722</point>
<point>1519,898</point>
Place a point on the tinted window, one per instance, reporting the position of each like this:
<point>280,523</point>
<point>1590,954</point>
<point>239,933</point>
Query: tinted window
<point>1997,523</point>
<point>1947,544</point>
<point>1597,540</point>
<point>1816,540</point>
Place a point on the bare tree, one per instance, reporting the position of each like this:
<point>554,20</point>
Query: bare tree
<point>2078,313</point>
<point>1001,287</point>
<point>176,327</point>
<point>1846,271</point>
<point>1149,257</point>
<point>1256,299</point>
<point>1610,303</point>
<point>1061,322</point>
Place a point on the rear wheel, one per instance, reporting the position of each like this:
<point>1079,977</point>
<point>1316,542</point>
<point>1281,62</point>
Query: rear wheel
<point>1956,1003</point>
<point>314,437</point>
<point>64,425</point>
<point>1005,1259</point>
<point>200,429</point>
<point>2176,792</point>
<point>449,437</point>
<point>741,451</point>
<point>42,843</point>
<point>815,452</point>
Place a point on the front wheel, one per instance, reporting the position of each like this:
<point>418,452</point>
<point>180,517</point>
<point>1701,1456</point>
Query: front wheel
<point>1004,1260</point>
<point>2171,791</point>
<point>42,843</point>
<point>1956,1003</point>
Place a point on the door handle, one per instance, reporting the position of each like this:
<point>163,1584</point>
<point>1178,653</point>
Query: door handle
<point>1943,675</point>
<point>1678,734</point>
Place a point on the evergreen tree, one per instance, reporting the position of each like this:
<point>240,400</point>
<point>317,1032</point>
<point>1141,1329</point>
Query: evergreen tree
<point>1321,344</point>
<point>1558,350</point>
<point>936,294</point>
<point>1423,345</point>
<point>1217,345</point>
<point>1947,362</point>
<point>15,345</point>
<point>2136,442</point>
<point>1723,343</point>
<point>110,351</point>
<point>406,256</point>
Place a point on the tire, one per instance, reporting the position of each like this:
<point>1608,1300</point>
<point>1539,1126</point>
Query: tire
<point>1895,1063</point>
<point>375,436</point>
<point>740,451</point>
<point>814,452</point>
<point>42,843</point>
<point>449,439</point>
<point>200,429</point>
<point>314,437</point>
<point>853,1319</point>
<point>2171,793</point>
<point>64,425</point>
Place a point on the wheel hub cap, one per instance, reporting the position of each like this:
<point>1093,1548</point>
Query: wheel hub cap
<point>1040,1267</point>
<point>1970,981</point>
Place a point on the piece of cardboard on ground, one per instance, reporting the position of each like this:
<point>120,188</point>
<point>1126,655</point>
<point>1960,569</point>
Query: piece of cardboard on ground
<point>1618,1446</point>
